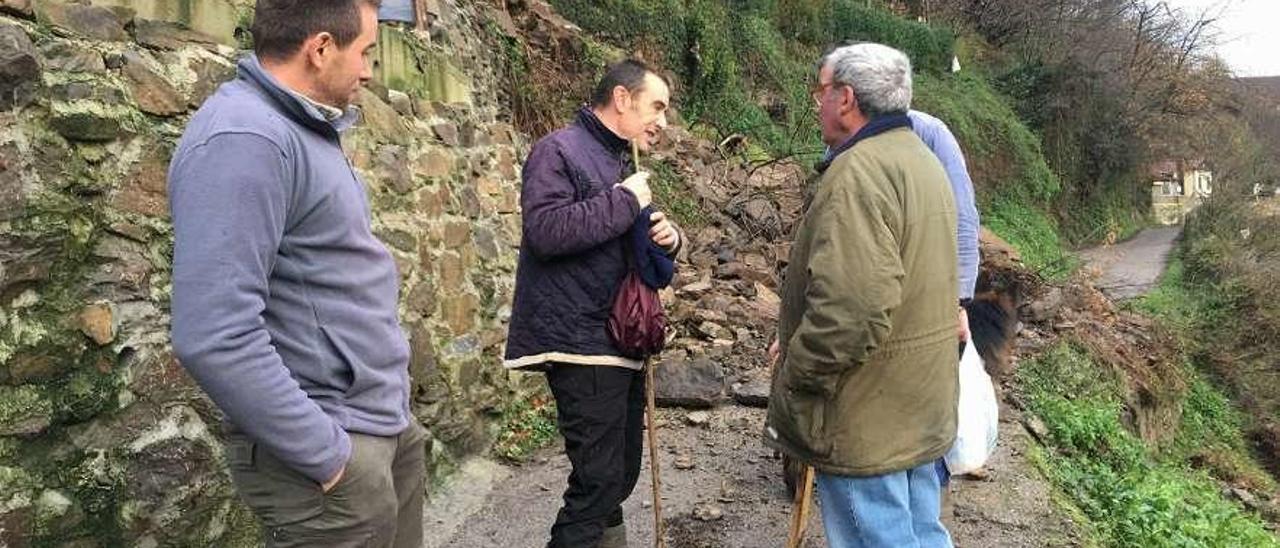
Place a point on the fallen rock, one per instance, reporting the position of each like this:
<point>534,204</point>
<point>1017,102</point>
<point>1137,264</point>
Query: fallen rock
<point>697,383</point>
<point>981,474</point>
<point>730,271</point>
<point>20,8</point>
<point>698,418</point>
<point>713,331</point>
<point>1044,309</point>
<point>996,253</point>
<point>753,393</point>
<point>1244,496</point>
<point>707,512</point>
<point>756,214</point>
<point>1037,429</point>
<point>766,304</point>
<point>683,461</point>
<point>695,289</point>
<point>713,316</point>
<point>19,67</point>
<point>762,216</point>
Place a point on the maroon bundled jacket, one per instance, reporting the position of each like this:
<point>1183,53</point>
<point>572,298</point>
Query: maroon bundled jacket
<point>571,255</point>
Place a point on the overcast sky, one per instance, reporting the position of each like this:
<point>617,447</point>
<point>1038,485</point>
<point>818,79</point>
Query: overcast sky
<point>1250,33</point>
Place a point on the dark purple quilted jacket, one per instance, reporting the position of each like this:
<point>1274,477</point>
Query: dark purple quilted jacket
<point>571,252</point>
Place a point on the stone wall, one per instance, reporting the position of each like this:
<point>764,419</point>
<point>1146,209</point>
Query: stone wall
<point>103,439</point>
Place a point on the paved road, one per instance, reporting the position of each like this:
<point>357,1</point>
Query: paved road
<point>1131,268</point>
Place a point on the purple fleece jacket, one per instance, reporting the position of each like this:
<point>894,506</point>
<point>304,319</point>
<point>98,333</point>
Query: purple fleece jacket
<point>284,303</point>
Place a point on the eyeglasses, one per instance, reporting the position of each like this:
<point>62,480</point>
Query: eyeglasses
<point>820,89</point>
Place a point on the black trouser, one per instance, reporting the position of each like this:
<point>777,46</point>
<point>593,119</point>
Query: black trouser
<point>601,415</point>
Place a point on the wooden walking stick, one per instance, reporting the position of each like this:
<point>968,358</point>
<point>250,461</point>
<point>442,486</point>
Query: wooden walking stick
<point>803,494</point>
<point>659,540</point>
<point>800,514</point>
<point>651,424</point>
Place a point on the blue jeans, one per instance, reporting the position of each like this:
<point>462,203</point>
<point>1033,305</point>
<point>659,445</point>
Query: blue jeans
<point>898,510</point>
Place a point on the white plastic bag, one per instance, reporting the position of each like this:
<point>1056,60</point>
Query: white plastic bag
<point>979,417</point>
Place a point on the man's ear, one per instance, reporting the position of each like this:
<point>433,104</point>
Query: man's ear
<point>319,49</point>
<point>621,98</point>
<point>848,99</point>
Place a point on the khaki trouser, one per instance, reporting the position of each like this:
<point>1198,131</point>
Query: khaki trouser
<point>377,503</point>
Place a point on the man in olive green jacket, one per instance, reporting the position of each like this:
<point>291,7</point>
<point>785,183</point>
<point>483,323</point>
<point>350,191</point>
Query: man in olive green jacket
<point>867,387</point>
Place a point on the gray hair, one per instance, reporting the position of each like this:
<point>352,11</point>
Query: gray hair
<point>879,75</point>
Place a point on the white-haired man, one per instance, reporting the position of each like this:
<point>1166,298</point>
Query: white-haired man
<point>867,386</point>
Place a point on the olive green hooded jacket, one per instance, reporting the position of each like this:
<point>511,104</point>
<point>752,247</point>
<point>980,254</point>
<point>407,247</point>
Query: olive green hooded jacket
<point>868,376</point>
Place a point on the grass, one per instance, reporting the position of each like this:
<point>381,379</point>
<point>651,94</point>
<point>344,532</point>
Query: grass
<point>1212,433</point>
<point>526,426</point>
<point>1184,307</point>
<point>1130,494</point>
<point>1033,233</point>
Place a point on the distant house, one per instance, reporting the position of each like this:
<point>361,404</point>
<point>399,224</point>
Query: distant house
<point>397,10</point>
<point>415,13</point>
<point>1177,187</point>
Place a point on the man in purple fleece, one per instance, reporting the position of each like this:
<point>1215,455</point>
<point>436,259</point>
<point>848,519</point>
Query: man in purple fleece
<point>284,303</point>
<point>580,198</point>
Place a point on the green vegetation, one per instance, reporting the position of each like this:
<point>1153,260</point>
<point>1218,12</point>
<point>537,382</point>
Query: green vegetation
<point>1016,187</point>
<point>1032,233</point>
<point>1133,495</point>
<point>526,426</point>
<point>1212,433</point>
<point>1095,150</point>
<point>1182,306</point>
<point>745,68</point>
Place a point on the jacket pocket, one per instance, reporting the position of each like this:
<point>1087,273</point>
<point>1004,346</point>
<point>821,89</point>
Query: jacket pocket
<point>808,380</point>
<point>584,186</point>
<point>803,422</point>
<point>346,366</point>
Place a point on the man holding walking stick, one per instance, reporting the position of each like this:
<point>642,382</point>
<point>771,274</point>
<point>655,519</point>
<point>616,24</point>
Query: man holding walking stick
<point>866,387</point>
<point>581,198</point>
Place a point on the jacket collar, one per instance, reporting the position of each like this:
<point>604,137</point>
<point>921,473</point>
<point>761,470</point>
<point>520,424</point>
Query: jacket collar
<point>292,104</point>
<point>874,127</point>
<point>605,136</point>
